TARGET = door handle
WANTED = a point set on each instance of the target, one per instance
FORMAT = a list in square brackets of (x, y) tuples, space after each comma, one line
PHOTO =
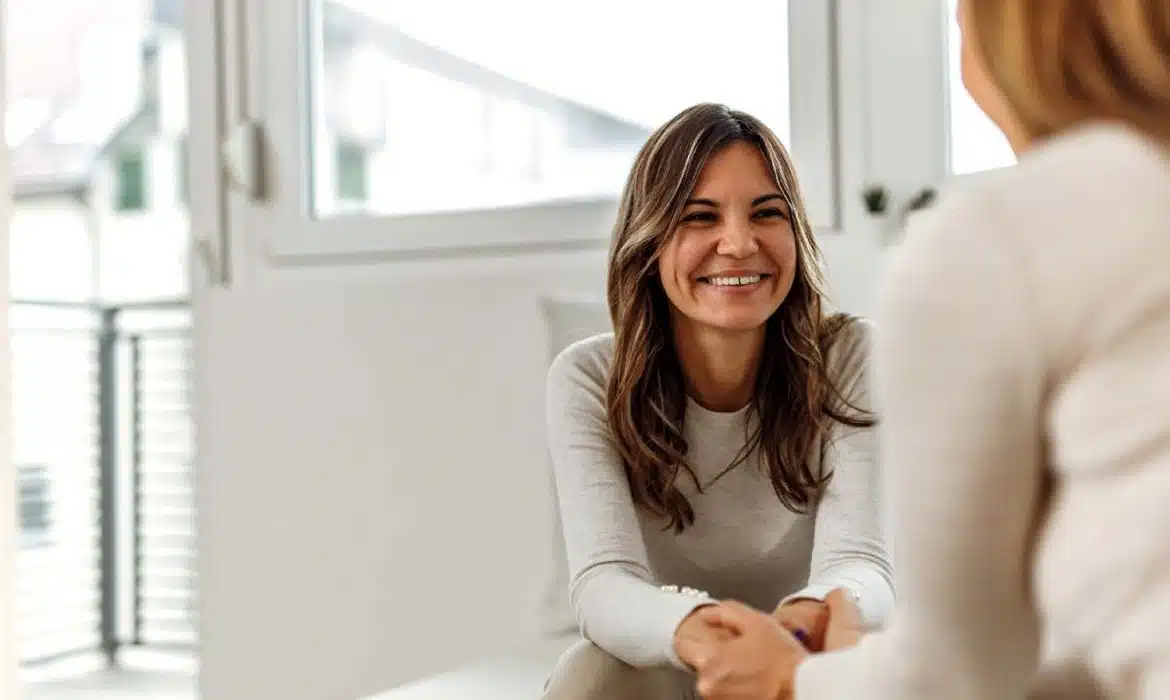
[(877, 200), (243, 159), (210, 261)]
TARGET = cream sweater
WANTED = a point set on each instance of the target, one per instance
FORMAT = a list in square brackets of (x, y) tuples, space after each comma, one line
[(1022, 366), (744, 544)]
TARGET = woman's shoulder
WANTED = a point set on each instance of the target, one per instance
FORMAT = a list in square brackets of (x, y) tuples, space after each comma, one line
[(1068, 188), (1083, 161), (582, 368), (1037, 229)]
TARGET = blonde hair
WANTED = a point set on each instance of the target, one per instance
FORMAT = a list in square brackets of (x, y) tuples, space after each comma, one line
[(795, 400), (1061, 63)]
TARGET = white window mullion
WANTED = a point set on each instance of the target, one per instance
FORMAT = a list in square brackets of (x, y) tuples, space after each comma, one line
[(212, 103), (813, 83)]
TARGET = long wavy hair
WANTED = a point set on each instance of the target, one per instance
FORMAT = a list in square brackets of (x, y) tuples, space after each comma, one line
[(795, 401)]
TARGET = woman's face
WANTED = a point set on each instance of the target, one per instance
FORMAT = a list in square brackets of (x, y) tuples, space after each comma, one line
[(731, 261)]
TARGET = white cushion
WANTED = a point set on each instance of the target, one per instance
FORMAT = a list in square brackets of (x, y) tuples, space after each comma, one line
[(567, 320)]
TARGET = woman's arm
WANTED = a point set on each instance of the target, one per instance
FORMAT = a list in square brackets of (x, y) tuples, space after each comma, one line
[(849, 546), (619, 605), (960, 372)]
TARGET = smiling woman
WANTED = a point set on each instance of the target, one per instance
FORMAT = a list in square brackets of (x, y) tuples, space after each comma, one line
[(714, 193), (718, 445)]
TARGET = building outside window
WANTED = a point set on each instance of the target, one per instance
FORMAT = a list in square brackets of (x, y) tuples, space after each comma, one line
[(35, 506), (352, 167), (130, 188)]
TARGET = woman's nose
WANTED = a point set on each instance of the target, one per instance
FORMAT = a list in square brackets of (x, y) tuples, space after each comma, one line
[(738, 241)]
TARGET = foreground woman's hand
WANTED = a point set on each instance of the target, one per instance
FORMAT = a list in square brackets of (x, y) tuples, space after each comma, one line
[(806, 619), (845, 627), (757, 662), (695, 638)]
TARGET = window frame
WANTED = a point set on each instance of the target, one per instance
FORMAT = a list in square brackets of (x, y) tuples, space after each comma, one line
[(259, 36)]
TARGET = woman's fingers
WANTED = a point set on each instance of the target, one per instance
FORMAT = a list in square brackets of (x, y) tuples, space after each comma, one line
[(845, 627), (730, 615), (806, 619)]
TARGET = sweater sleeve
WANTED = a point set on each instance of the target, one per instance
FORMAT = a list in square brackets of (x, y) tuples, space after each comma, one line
[(960, 379), (618, 604), (849, 543)]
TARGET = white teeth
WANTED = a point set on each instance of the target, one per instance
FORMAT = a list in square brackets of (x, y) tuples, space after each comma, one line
[(734, 281)]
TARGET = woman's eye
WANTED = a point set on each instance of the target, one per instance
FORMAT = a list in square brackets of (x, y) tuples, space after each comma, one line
[(699, 216), (771, 212)]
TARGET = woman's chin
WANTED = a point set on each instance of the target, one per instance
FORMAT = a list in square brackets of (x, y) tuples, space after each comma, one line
[(737, 321)]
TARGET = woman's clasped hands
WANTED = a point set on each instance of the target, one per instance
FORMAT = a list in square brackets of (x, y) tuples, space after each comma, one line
[(739, 653)]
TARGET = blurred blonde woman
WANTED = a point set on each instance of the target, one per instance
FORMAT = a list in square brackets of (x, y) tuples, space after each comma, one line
[(1024, 370), (718, 444)]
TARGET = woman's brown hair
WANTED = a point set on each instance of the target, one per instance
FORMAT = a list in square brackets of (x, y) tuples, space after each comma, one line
[(794, 399), (1060, 63)]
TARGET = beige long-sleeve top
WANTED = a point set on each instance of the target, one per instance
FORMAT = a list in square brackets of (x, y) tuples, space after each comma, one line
[(1022, 366), (744, 543)]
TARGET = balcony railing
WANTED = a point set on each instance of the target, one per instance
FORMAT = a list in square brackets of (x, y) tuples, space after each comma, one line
[(103, 444)]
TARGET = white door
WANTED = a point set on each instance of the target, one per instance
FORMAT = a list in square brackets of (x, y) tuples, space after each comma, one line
[(374, 505)]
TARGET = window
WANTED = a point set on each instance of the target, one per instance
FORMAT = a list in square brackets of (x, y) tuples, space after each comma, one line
[(566, 126), (130, 181), (975, 143), (351, 173), (35, 505), (519, 115)]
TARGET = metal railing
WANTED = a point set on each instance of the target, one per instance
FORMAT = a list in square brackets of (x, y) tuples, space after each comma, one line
[(103, 443)]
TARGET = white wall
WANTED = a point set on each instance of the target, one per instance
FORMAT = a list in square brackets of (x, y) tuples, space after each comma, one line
[(8, 687), (143, 256), (373, 499), (374, 505), (64, 250), (51, 249)]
